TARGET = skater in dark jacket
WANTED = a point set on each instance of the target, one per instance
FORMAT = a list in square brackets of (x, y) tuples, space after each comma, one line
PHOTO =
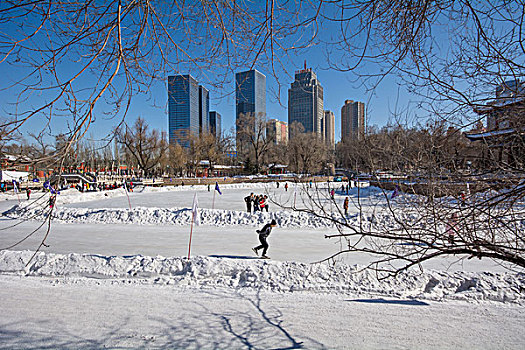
[(248, 200), (263, 235)]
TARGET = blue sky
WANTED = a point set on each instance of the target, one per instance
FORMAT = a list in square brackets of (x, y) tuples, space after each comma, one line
[(338, 87), (152, 106)]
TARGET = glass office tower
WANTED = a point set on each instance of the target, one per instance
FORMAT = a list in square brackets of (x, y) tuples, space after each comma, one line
[(305, 103), (188, 109), (204, 110), (250, 98), (215, 123)]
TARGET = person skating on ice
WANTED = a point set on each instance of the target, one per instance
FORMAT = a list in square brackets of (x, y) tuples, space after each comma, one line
[(262, 202), (248, 200), (266, 204), (263, 235), (256, 202)]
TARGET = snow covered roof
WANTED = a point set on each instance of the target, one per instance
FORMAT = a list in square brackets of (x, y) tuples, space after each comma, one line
[(278, 166), (13, 158), (488, 134), (500, 103), (226, 166)]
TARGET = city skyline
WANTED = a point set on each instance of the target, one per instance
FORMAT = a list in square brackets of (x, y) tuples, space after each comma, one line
[(149, 98), (155, 108), (246, 83)]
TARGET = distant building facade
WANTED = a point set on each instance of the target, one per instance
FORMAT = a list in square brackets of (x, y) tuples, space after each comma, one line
[(499, 116), (352, 120), (329, 129), (305, 102), (183, 108), (215, 123), (250, 99), (277, 132), (504, 137)]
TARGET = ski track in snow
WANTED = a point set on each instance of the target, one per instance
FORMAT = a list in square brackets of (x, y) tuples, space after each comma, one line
[(255, 274)]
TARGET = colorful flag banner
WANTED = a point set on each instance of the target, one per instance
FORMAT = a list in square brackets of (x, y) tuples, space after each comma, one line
[(395, 193), (217, 187)]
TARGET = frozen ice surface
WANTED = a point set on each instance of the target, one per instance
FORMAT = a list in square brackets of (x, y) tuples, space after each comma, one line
[(119, 277)]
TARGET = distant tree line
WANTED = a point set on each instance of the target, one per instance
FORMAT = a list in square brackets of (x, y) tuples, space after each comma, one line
[(435, 147)]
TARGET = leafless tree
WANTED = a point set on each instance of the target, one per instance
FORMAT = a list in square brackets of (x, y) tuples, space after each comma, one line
[(145, 147), (252, 143), (177, 159), (307, 153)]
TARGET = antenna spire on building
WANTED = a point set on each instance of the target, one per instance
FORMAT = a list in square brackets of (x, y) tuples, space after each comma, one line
[(305, 64)]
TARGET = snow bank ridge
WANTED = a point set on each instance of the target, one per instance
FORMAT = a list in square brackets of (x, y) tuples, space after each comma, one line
[(245, 272), (170, 216)]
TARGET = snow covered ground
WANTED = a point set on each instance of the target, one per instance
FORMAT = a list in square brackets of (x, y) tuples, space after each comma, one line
[(119, 277)]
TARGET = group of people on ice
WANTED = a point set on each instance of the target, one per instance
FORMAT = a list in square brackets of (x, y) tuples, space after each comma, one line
[(259, 202)]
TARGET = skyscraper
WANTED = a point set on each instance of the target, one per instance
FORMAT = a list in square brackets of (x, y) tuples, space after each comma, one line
[(188, 108), (329, 129), (204, 110), (305, 102), (352, 120), (250, 98), (183, 108), (215, 123)]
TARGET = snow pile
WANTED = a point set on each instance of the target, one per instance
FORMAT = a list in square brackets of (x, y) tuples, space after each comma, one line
[(74, 196), (220, 272), (168, 216)]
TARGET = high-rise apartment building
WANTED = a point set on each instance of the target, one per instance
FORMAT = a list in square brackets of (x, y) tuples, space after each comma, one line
[(305, 102), (277, 132), (352, 120), (329, 129), (250, 99), (215, 123), (183, 108), (284, 133)]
